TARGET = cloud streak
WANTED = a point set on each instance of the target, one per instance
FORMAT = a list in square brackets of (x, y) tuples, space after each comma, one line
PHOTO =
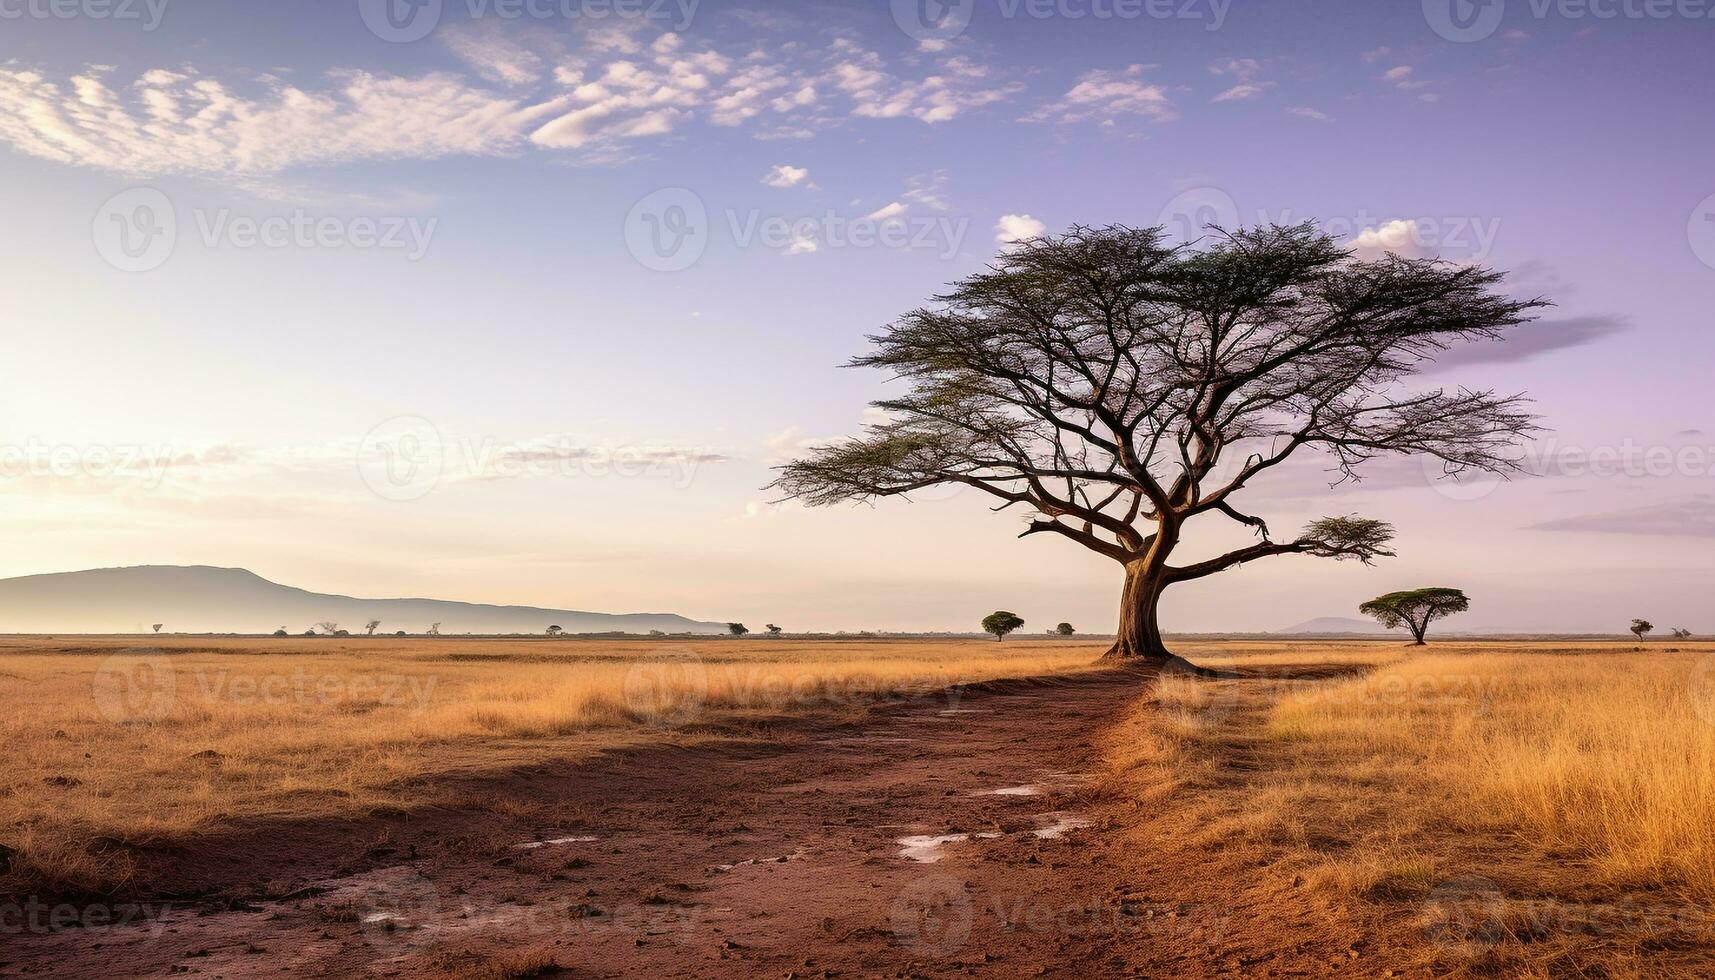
[(615, 91), (1690, 517)]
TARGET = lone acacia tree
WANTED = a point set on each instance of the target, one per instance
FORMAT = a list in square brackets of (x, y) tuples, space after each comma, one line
[(1123, 388), (1001, 622), (1415, 609)]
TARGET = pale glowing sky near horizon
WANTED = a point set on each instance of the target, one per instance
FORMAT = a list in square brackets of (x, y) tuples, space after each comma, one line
[(1575, 152)]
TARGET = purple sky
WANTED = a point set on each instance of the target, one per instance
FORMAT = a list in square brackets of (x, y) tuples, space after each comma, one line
[(593, 275)]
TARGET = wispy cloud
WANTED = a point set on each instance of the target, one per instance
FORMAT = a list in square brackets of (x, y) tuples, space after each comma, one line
[(616, 89), (1690, 517), (1535, 339), (1242, 91), (786, 175), (1105, 96)]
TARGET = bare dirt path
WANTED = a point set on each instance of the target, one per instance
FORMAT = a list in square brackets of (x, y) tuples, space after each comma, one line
[(955, 835)]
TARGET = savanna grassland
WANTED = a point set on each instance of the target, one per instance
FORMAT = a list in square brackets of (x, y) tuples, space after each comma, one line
[(127, 740), (1540, 808), (1482, 807)]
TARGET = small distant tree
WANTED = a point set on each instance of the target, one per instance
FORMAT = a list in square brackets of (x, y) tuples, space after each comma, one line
[(372, 626), (434, 629), (400, 633), (281, 632), (328, 627), (310, 632), (657, 633), (158, 627), (555, 631), (737, 629), (1681, 634), (773, 630), (1415, 609), (1000, 622), (342, 632), (1642, 626), (1065, 629)]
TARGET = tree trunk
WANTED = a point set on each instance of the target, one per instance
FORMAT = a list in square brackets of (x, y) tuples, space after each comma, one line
[(1139, 639)]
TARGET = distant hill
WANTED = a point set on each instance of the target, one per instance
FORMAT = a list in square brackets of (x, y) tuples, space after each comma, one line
[(1336, 624), (204, 599)]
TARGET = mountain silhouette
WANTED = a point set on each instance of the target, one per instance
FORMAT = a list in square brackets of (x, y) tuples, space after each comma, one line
[(1336, 624), (205, 599)]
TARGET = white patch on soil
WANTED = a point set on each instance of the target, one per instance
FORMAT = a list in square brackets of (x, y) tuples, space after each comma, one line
[(926, 848), (1063, 822), (555, 842)]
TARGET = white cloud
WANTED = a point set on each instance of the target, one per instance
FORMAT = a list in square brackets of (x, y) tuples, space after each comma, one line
[(1309, 113), (620, 86), (1401, 77), (1242, 69), (1104, 95), (1399, 237), (1376, 54), (492, 53), (928, 189), (786, 175), (1012, 228), (876, 93), (892, 210), (180, 122), (1243, 90)]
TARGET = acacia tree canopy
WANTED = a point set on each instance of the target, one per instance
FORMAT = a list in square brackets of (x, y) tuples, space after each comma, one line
[(1415, 608), (1000, 622), (1122, 388)]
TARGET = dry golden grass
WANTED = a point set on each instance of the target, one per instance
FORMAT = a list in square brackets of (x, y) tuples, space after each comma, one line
[(110, 739), (1606, 756), (1505, 808)]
